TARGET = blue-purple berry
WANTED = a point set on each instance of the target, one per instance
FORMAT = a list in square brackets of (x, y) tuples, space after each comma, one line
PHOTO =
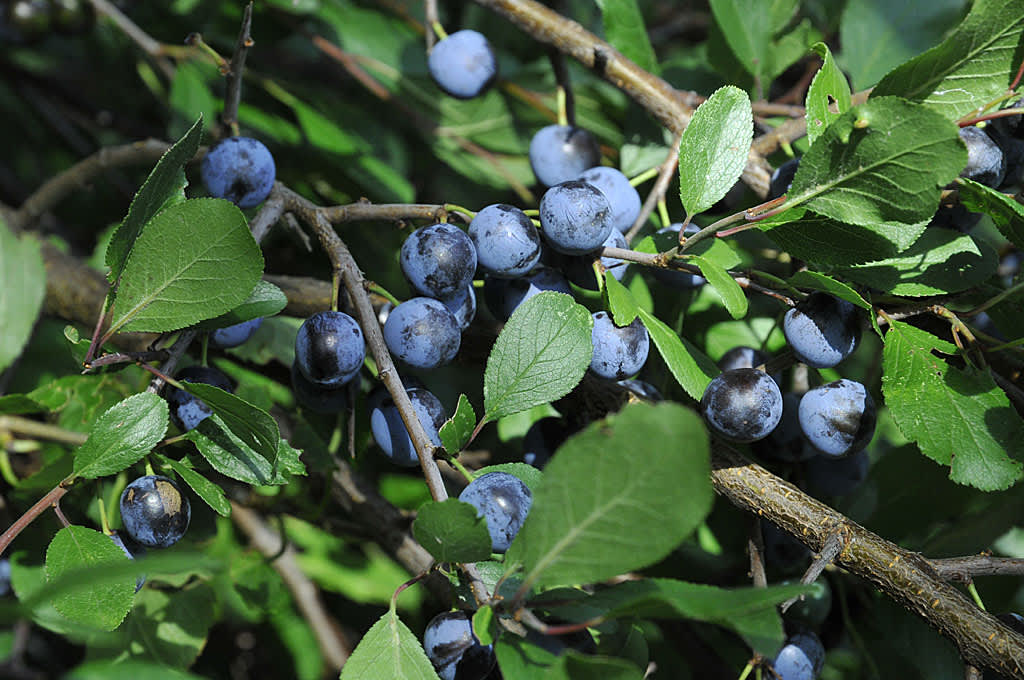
[(154, 511), (329, 348), (239, 169)]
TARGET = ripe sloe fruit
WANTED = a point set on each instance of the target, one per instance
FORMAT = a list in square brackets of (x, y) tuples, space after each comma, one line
[(329, 348), (462, 306), (240, 169), (187, 411), (438, 260), (619, 352), (742, 405), (985, 161), (463, 64), (801, 658), (782, 178), (422, 333), (822, 330), (838, 418), (787, 442), (574, 217), (622, 196), (233, 336), (503, 296), (503, 500), (507, 242), (559, 153), (454, 650), (154, 511), (580, 268), (389, 430)]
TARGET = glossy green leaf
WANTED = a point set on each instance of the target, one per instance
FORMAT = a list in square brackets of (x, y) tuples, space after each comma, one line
[(210, 493), (755, 32), (976, 63), (714, 148), (880, 164), (732, 295), (813, 280), (253, 426), (521, 659), (539, 356), (624, 29), (388, 650), (230, 456), (750, 612), (452, 532), (941, 261), (620, 301), (691, 368), (455, 433), (170, 626), (587, 522), (22, 289), (191, 95), (166, 181), (825, 241), (828, 96), (102, 604), (193, 261), (127, 670), (1006, 213), (958, 417), (121, 436), (878, 36), (266, 299)]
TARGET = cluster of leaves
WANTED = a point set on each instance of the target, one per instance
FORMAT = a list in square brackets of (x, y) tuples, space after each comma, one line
[(629, 493)]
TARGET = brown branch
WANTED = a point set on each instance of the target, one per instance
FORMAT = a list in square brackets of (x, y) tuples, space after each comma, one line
[(236, 68), (335, 642), (964, 569), (671, 107), (905, 576), (80, 174), (348, 271)]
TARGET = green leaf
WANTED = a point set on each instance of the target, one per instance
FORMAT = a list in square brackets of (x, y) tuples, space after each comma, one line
[(755, 32), (127, 670), (958, 417), (452, 532), (941, 261), (539, 356), (191, 95), (253, 426), (575, 666), (825, 241), (121, 436), (881, 164), (975, 64), (732, 295), (624, 29), (103, 604), (527, 474), (595, 516), (211, 493), (828, 96), (714, 148), (1006, 213), (455, 433), (20, 403), (520, 659), (166, 180), (818, 281), (231, 456), (878, 36), (691, 368), (750, 612), (22, 289), (620, 301), (170, 626), (388, 650), (266, 299), (193, 261)]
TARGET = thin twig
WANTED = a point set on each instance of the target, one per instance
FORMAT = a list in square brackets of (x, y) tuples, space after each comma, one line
[(965, 569), (236, 69), (665, 174), (335, 643)]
